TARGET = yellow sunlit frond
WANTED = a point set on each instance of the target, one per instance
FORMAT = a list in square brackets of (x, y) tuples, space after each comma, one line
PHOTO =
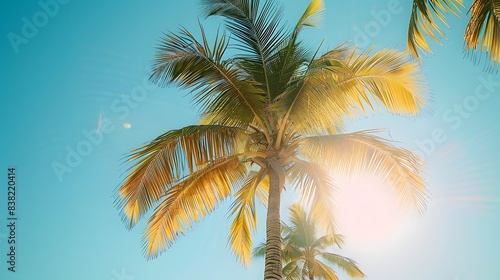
[(324, 271), (359, 153), (425, 19), (483, 30), (317, 192), (191, 200), (169, 158), (312, 15), (346, 264), (245, 217), (341, 85)]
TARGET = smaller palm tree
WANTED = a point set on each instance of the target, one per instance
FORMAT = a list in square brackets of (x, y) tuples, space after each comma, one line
[(301, 247)]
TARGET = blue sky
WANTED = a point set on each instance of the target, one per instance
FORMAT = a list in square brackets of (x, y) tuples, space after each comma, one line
[(86, 61)]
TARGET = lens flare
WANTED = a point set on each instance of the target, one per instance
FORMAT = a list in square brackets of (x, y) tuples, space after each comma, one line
[(367, 210)]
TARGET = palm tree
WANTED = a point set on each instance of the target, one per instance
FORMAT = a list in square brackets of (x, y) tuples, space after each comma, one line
[(301, 247), (270, 117), (481, 34)]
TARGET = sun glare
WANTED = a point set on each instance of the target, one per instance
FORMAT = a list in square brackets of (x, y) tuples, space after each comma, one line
[(367, 210)]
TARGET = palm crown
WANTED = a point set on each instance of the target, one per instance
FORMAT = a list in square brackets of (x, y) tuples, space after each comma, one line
[(270, 117), (302, 247)]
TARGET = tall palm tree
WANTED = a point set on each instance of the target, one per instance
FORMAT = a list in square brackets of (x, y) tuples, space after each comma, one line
[(481, 34), (301, 247), (270, 117)]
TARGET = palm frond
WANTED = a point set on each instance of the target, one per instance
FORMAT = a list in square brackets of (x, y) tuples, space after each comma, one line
[(303, 230), (287, 62), (312, 15), (327, 241), (343, 83), (224, 92), (292, 271), (317, 190), (483, 30), (359, 153), (346, 264), (285, 65), (190, 200), (323, 271), (291, 252), (167, 160), (257, 28), (425, 19), (245, 216), (259, 250)]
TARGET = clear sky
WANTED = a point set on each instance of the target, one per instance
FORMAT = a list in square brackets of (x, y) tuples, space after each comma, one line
[(77, 66)]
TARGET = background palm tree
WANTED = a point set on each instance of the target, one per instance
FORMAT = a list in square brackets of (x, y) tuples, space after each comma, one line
[(482, 32), (301, 247), (270, 117)]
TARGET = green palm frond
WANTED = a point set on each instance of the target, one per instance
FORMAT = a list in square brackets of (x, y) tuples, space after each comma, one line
[(245, 216), (226, 94), (291, 252), (327, 241), (259, 250), (257, 29), (292, 271), (343, 83), (303, 230), (362, 152), (286, 64), (423, 22), (168, 159), (190, 200), (483, 29)]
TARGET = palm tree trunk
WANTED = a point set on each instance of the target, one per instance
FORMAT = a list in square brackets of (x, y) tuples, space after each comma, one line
[(311, 276), (309, 269), (273, 235)]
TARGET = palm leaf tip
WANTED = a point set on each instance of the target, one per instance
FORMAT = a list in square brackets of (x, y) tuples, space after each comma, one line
[(245, 217), (313, 14), (131, 211), (424, 21), (346, 264), (483, 30)]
